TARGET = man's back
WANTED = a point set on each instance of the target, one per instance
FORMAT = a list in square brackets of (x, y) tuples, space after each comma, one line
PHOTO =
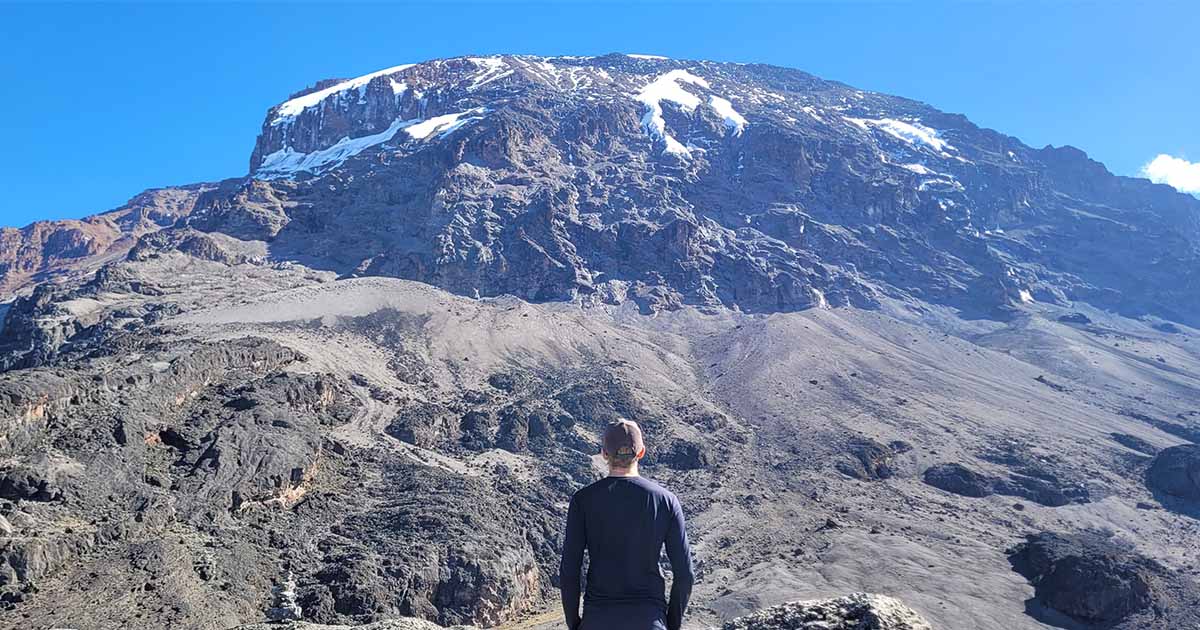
[(624, 522)]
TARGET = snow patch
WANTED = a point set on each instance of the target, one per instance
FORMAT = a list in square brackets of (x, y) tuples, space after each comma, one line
[(912, 133), (646, 56), (667, 88), (812, 111), (933, 178), (286, 162), (940, 183), (493, 68), (819, 298), (919, 169), (443, 125), (733, 120), (290, 109)]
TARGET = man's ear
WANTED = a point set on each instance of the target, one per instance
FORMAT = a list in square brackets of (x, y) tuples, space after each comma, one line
[(641, 453)]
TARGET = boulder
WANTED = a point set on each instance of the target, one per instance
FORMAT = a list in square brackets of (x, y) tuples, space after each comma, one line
[(1087, 577), (868, 460), (958, 479), (1176, 471), (28, 483), (1099, 580)]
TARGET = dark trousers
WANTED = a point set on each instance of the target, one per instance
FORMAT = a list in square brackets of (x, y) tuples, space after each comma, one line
[(624, 617)]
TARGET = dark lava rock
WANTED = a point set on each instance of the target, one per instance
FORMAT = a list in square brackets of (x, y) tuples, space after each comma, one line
[(1075, 318), (1135, 443), (1102, 581), (506, 381), (472, 559), (684, 455), (1039, 487), (1051, 384), (34, 481), (869, 460), (1182, 431), (1036, 490), (423, 424), (958, 479), (1176, 471)]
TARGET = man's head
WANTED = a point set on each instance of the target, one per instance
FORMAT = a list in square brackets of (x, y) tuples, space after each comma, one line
[(623, 445)]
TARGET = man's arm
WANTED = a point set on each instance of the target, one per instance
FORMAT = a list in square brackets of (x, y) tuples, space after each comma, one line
[(571, 564), (681, 568)]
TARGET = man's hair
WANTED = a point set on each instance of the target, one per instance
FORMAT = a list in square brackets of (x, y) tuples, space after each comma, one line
[(623, 441)]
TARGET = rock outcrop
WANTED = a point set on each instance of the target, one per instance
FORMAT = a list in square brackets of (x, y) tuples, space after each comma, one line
[(1044, 489), (859, 611)]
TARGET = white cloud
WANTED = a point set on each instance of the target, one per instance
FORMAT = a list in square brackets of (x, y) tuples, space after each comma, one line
[(1183, 175)]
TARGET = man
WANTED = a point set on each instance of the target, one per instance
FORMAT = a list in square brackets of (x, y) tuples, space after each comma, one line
[(623, 521)]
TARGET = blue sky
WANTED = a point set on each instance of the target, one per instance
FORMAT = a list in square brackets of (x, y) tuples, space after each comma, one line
[(103, 101)]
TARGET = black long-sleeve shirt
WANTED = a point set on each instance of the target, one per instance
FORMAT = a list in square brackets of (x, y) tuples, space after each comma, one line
[(623, 522)]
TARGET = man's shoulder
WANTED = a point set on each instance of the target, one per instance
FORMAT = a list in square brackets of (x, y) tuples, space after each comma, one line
[(656, 488), (648, 485)]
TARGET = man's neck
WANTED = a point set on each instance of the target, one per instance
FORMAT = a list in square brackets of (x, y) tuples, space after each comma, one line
[(623, 472)]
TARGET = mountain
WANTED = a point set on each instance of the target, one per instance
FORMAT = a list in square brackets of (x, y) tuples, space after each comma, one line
[(712, 184), (873, 348), (49, 250)]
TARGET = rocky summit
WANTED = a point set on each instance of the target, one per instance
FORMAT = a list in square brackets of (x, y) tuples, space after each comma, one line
[(873, 348)]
